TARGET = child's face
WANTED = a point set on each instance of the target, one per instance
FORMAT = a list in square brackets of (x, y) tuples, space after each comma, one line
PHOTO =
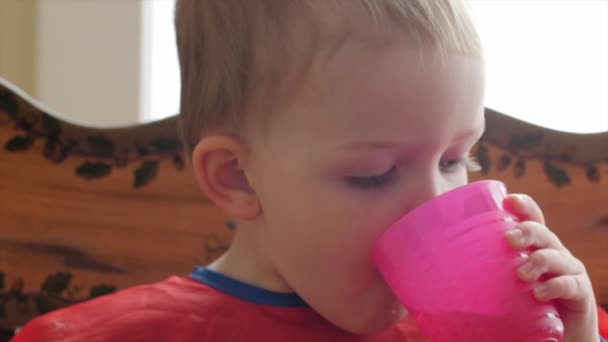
[(370, 136)]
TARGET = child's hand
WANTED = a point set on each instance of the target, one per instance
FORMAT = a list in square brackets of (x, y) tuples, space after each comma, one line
[(565, 279)]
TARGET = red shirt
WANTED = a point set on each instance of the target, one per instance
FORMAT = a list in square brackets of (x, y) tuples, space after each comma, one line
[(206, 307), (603, 321)]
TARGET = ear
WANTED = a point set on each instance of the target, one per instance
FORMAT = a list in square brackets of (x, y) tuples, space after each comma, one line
[(218, 163)]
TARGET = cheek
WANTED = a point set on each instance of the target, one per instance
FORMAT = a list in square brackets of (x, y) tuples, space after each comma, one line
[(304, 212), (350, 217), (308, 216), (320, 239)]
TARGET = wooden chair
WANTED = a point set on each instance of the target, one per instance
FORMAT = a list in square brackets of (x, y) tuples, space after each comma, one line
[(85, 211)]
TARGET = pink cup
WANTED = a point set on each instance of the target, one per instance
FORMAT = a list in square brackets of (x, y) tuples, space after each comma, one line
[(449, 264)]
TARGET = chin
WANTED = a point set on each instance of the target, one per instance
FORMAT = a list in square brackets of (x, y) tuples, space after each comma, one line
[(379, 322)]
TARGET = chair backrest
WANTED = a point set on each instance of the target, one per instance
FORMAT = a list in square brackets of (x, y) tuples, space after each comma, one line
[(85, 211)]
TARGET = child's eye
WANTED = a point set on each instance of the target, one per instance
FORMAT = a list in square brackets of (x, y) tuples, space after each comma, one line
[(373, 182), (450, 165)]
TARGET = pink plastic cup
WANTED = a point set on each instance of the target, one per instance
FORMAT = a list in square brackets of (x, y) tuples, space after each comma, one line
[(449, 264)]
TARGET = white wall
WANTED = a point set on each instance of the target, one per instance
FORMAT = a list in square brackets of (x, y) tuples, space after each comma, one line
[(547, 61), (160, 85), (88, 60)]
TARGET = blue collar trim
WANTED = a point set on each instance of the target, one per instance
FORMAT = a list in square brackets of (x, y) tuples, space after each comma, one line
[(244, 291)]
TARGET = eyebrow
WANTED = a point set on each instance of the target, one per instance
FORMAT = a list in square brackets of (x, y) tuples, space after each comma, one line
[(372, 145), (387, 145)]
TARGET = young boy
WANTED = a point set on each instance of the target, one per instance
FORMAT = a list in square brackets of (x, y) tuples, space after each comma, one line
[(316, 124)]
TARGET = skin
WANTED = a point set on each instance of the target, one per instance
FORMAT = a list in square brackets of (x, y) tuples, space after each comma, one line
[(369, 135)]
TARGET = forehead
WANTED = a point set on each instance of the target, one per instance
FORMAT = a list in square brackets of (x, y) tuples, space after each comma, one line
[(400, 93)]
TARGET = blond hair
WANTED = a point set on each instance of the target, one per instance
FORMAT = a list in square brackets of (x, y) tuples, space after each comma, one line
[(230, 49)]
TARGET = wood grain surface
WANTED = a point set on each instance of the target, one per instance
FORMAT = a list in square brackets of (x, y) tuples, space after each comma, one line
[(105, 231)]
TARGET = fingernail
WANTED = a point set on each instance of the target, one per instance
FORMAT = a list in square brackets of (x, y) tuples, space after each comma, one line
[(521, 198), (516, 236), (527, 271), (541, 292)]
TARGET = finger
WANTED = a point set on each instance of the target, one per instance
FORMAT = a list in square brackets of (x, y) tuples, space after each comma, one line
[(524, 207), (549, 262), (567, 287), (530, 234)]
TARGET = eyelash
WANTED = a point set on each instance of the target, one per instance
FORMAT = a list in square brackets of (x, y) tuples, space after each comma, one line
[(379, 181), (373, 182), (470, 164)]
